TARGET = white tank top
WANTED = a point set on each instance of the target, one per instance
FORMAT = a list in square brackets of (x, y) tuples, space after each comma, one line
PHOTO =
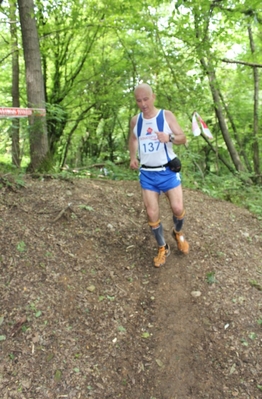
[(151, 151)]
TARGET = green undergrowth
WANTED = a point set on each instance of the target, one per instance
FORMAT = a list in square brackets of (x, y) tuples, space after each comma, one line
[(227, 187)]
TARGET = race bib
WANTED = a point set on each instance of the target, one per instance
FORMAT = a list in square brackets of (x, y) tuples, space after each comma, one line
[(149, 145)]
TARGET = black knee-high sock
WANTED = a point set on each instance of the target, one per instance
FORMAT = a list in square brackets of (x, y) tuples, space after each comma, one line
[(157, 230), (179, 221)]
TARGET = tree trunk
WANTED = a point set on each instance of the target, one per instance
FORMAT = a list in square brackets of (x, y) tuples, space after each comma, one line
[(219, 113), (70, 135), (15, 85), (203, 32), (35, 86), (242, 149), (256, 104)]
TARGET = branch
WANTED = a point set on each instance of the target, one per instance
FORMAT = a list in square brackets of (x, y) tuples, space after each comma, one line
[(251, 64), (64, 212), (18, 325), (8, 55), (222, 159)]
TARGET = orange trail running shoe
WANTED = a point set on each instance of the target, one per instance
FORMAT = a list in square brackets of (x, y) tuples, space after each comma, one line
[(163, 253), (182, 244)]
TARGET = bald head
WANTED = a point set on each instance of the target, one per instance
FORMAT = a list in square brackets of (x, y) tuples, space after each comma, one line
[(145, 99), (143, 87)]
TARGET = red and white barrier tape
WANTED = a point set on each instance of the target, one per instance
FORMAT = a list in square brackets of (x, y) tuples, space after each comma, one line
[(20, 112)]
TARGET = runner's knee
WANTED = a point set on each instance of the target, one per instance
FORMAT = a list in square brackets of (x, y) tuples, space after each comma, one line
[(181, 215)]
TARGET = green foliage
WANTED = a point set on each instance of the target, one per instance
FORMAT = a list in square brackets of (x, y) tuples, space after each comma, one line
[(94, 53), (86, 207), (21, 246), (107, 170), (227, 187), (255, 284), (210, 278), (11, 179)]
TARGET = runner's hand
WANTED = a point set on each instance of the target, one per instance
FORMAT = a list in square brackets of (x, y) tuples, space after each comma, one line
[(134, 164), (162, 137)]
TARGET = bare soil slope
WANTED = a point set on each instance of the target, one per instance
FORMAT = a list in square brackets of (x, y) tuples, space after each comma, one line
[(83, 312)]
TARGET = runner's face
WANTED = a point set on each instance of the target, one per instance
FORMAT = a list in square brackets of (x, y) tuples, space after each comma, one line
[(145, 100)]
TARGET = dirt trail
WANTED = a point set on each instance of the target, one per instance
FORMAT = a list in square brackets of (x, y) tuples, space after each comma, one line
[(85, 314), (206, 331)]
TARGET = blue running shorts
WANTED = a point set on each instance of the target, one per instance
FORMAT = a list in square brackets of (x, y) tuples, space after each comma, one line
[(160, 181)]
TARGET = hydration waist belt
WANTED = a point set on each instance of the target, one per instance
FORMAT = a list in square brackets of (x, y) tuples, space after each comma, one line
[(154, 167)]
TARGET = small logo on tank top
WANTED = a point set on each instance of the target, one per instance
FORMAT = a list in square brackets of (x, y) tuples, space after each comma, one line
[(149, 131)]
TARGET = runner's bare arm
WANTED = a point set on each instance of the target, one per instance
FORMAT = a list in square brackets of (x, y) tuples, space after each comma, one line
[(133, 145), (180, 137)]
